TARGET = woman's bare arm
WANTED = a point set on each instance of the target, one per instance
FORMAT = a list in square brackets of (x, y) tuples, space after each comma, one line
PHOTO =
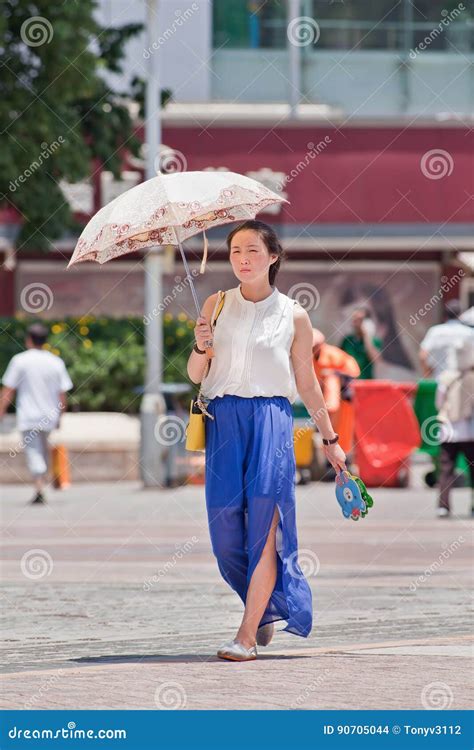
[(197, 363), (308, 385)]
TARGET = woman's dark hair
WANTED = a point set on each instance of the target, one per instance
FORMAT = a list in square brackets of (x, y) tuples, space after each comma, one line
[(270, 239)]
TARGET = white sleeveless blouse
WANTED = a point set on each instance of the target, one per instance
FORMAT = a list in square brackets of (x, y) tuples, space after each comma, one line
[(252, 342)]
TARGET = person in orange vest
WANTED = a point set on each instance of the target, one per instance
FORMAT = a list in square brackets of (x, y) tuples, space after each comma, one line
[(335, 369)]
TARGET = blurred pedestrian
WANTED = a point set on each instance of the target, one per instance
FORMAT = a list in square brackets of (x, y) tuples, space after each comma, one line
[(455, 403), (437, 350), (335, 370), (39, 380), (362, 343)]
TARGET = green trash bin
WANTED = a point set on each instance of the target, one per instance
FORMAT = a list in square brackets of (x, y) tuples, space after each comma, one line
[(426, 414)]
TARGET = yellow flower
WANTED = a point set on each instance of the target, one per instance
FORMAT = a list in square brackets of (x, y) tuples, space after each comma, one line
[(191, 324), (57, 328), (168, 317), (182, 317), (56, 351), (46, 346), (83, 330), (87, 344), (180, 332)]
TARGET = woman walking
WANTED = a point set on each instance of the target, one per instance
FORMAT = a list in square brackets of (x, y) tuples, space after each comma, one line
[(263, 359)]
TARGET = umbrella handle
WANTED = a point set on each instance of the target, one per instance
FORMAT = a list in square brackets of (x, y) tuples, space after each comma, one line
[(209, 349)]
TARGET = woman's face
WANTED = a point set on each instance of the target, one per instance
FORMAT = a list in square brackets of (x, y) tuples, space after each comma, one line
[(249, 256)]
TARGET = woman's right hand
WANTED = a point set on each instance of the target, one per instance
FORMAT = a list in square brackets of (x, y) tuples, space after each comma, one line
[(202, 333)]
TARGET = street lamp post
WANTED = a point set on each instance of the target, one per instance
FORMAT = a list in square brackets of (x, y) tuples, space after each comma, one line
[(153, 405), (294, 60)]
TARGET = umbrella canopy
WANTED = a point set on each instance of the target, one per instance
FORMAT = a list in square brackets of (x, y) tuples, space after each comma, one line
[(168, 209)]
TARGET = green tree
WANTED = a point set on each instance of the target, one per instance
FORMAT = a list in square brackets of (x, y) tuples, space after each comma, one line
[(58, 116)]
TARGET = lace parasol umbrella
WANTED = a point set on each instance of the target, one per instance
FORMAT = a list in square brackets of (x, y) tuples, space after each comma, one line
[(168, 209)]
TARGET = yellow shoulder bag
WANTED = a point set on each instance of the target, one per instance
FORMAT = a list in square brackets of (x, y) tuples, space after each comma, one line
[(195, 430)]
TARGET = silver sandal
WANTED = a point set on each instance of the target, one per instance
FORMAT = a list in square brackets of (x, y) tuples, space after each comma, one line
[(235, 651)]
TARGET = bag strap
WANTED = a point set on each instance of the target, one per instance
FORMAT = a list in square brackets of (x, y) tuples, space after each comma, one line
[(215, 314)]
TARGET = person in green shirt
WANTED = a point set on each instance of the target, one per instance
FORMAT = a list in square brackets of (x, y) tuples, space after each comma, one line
[(362, 344)]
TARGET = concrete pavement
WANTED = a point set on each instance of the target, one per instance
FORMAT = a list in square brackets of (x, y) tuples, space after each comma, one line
[(114, 601)]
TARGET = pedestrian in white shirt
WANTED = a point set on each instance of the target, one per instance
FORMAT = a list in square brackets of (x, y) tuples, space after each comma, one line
[(39, 380), (438, 348)]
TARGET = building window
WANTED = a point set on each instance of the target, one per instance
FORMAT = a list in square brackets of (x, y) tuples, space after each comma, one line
[(350, 25)]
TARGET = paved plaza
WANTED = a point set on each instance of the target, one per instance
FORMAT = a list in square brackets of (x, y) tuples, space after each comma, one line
[(114, 600)]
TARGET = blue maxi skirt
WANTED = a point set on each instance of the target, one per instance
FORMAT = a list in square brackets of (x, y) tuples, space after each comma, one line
[(250, 470)]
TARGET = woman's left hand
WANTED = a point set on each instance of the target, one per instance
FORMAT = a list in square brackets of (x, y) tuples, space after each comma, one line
[(336, 457)]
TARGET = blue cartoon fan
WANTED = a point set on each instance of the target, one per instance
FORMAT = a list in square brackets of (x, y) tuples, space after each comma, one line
[(352, 496)]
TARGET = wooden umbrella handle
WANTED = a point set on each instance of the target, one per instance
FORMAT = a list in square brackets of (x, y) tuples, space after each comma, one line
[(209, 349)]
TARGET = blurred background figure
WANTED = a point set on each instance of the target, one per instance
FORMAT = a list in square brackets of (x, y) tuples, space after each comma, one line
[(455, 402), (40, 381), (439, 346), (335, 369), (362, 344)]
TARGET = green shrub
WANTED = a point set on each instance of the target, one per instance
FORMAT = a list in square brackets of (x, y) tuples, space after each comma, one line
[(105, 357)]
